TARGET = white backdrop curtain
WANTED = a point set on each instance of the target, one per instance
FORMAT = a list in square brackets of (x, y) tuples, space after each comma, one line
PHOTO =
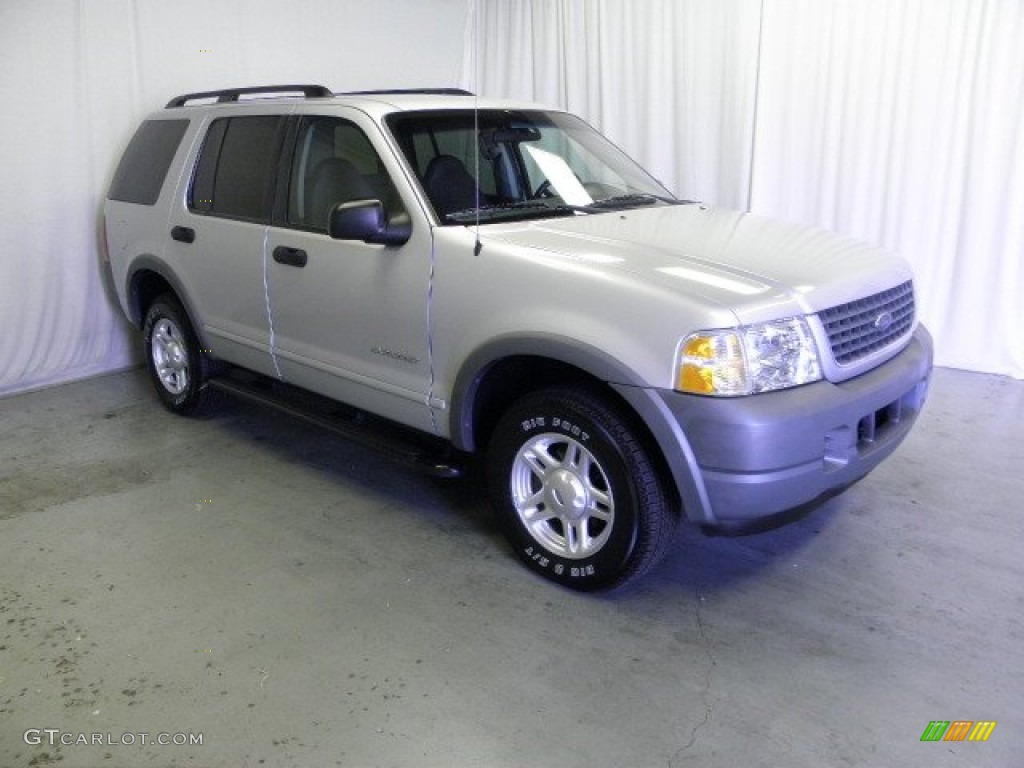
[(671, 81), (897, 121), (77, 76)]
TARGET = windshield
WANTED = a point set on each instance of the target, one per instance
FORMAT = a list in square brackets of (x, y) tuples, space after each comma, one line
[(514, 164)]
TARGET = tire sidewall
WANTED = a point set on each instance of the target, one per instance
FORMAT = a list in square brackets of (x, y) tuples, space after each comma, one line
[(184, 400), (543, 414)]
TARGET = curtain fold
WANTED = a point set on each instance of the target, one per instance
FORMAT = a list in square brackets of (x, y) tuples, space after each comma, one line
[(898, 122)]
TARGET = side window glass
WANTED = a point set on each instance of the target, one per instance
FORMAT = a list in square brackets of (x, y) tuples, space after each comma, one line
[(143, 168), (236, 167), (334, 162), (201, 196)]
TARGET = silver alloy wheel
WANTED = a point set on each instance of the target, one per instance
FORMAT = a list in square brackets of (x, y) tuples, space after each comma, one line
[(562, 495), (169, 355)]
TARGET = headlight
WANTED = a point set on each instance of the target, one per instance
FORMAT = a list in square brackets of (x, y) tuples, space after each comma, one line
[(744, 361)]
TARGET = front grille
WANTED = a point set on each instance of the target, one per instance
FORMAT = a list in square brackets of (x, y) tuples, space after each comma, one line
[(862, 327)]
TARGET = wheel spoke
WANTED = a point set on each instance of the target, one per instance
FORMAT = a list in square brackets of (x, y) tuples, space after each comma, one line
[(598, 513), (572, 454), (536, 464), (160, 337), (532, 502), (540, 526), (539, 517), (540, 460), (577, 540), (599, 500), (586, 461)]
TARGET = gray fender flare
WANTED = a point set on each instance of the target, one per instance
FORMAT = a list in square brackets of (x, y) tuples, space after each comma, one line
[(676, 451), (149, 263)]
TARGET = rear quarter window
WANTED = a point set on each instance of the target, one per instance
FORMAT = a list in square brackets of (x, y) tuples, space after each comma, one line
[(140, 174)]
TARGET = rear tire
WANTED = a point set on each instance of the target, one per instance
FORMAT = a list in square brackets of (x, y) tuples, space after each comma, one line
[(177, 366), (576, 492)]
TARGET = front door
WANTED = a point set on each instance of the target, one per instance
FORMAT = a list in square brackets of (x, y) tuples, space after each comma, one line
[(349, 319)]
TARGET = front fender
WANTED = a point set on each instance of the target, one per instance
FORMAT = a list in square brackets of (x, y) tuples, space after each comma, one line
[(586, 358), (669, 439)]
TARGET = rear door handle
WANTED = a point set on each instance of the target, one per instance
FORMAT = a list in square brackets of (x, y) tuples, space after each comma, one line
[(293, 257), (183, 234)]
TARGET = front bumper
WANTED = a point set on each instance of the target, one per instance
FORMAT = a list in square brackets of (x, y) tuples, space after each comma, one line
[(737, 460)]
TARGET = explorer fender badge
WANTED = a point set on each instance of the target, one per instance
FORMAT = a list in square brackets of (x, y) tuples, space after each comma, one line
[(384, 352)]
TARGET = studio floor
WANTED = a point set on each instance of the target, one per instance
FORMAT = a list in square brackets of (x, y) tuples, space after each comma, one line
[(291, 600)]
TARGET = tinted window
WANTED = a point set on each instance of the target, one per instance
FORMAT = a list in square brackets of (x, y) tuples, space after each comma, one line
[(201, 197), (334, 162), (143, 168), (235, 173)]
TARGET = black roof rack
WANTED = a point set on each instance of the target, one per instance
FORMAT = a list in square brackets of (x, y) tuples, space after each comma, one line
[(401, 91), (232, 94)]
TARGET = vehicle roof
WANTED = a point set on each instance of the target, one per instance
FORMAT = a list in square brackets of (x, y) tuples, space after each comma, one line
[(387, 103), (377, 103)]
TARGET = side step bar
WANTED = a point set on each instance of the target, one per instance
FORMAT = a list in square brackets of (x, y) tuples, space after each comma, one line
[(421, 452)]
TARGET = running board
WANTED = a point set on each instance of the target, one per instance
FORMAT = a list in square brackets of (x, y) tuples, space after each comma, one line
[(421, 452)]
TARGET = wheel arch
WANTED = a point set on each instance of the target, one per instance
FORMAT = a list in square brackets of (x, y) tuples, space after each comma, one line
[(506, 369), (150, 277)]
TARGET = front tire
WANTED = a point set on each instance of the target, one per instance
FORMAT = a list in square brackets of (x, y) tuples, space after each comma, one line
[(576, 492), (177, 366)]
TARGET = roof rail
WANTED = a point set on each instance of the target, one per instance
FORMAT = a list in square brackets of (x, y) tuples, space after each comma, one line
[(232, 94), (400, 91)]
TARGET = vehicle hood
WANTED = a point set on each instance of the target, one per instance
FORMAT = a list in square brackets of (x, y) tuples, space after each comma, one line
[(758, 267)]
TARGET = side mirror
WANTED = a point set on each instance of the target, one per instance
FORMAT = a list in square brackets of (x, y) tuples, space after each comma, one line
[(366, 220)]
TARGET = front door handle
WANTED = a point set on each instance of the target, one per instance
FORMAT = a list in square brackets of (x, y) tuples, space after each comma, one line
[(293, 257), (183, 234)]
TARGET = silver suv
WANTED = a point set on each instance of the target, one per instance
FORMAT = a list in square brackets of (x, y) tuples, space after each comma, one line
[(444, 276)]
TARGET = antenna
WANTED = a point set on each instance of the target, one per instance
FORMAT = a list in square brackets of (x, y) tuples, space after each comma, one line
[(477, 246)]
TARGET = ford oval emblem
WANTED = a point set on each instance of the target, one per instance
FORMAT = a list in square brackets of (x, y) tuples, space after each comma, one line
[(883, 321)]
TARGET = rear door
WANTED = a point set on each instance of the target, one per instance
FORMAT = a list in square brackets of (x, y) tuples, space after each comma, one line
[(350, 319), (217, 234)]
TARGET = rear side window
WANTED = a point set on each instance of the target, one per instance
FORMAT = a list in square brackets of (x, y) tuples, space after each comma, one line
[(235, 173), (143, 168)]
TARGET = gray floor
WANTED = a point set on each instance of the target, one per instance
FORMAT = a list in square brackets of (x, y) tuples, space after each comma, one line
[(298, 602)]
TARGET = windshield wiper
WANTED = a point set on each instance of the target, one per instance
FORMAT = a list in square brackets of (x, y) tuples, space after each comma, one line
[(523, 209), (539, 209), (631, 200)]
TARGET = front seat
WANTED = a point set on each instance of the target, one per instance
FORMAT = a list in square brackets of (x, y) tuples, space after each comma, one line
[(335, 180), (450, 186)]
